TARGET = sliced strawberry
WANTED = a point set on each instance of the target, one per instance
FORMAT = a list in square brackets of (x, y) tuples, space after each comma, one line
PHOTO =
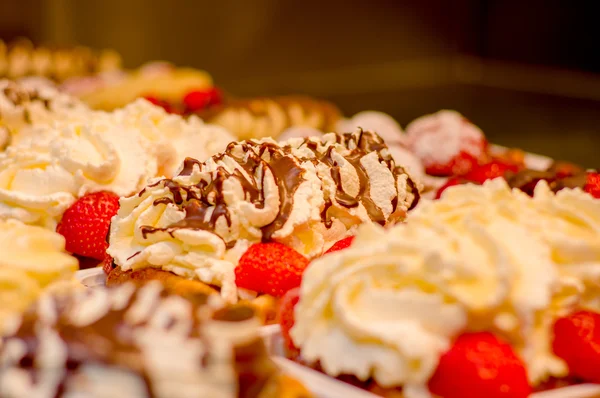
[(270, 268), (489, 171), (459, 165), (577, 342), (592, 185), (480, 365), (341, 244), (85, 224), (200, 99), (286, 319), (450, 183)]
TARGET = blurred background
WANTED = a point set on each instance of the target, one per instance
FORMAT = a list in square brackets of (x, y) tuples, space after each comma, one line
[(526, 72)]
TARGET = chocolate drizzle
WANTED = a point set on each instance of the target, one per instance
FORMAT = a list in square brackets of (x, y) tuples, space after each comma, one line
[(112, 340), (204, 202), (527, 179)]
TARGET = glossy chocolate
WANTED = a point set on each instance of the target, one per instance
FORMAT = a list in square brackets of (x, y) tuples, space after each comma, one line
[(204, 203)]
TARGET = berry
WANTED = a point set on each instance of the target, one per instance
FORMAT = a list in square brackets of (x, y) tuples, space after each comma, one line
[(270, 268), (577, 342), (565, 169), (201, 99), (480, 365), (489, 171), (592, 185), (159, 102), (85, 224), (459, 165), (341, 244), (286, 319), (450, 183), (107, 264)]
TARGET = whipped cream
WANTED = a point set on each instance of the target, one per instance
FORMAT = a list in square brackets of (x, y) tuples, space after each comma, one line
[(173, 138), (437, 138), (32, 259), (33, 102), (480, 258), (133, 342), (305, 193), (60, 150)]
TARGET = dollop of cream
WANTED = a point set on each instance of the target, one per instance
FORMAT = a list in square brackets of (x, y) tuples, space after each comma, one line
[(198, 224), (437, 138), (60, 150), (33, 259), (480, 258)]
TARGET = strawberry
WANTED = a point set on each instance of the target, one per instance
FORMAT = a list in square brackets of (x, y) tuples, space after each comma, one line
[(480, 365), (270, 268), (286, 319), (592, 185), (577, 342), (450, 183), (489, 171), (199, 99), (459, 165), (85, 224), (159, 102), (341, 244), (107, 264)]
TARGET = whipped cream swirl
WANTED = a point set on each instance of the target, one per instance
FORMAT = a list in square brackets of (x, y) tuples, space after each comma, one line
[(481, 258), (305, 193), (33, 259), (60, 150)]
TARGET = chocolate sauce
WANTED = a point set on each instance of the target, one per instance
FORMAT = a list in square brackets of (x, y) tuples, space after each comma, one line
[(527, 179), (288, 175), (204, 202), (111, 341)]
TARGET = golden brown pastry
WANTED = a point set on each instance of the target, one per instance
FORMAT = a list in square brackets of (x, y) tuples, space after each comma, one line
[(21, 58), (269, 116), (139, 342)]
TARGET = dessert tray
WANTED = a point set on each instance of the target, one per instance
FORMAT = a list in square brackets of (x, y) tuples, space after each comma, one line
[(324, 386), (208, 215)]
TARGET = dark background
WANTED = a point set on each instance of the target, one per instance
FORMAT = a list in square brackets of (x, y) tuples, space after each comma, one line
[(527, 72)]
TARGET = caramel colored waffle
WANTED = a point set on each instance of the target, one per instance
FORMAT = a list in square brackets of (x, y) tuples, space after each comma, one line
[(264, 305), (22, 59), (270, 116)]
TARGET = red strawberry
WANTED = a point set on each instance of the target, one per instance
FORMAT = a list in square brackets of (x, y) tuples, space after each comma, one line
[(286, 319), (107, 264), (459, 165), (341, 245), (450, 183), (480, 365), (200, 99), (489, 171), (565, 169), (592, 185), (85, 224), (577, 342), (158, 102), (270, 268)]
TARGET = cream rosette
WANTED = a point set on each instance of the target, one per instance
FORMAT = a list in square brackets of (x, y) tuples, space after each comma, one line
[(198, 224), (33, 259), (481, 258)]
